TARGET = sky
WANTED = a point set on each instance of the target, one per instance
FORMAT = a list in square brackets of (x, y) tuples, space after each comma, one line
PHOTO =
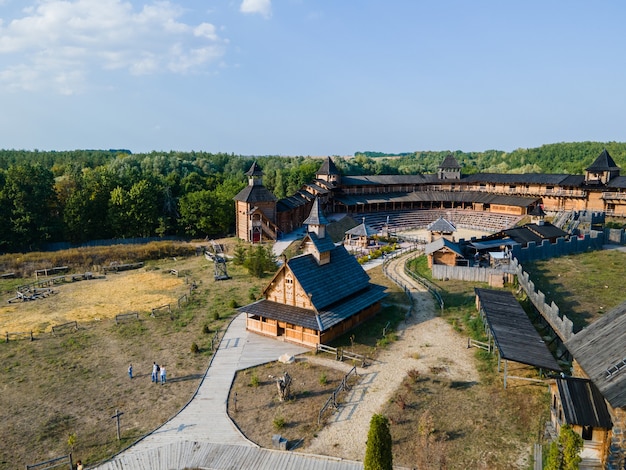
[(310, 77)]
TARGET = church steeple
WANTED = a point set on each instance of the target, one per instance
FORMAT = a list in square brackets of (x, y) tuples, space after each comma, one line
[(316, 221), (255, 175)]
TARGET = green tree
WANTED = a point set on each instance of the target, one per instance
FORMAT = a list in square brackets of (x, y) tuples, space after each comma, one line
[(31, 206), (260, 260), (564, 454), (197, 213), (378, 454)]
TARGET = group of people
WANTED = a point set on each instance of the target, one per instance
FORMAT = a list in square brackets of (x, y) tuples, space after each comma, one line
[(158, 371)]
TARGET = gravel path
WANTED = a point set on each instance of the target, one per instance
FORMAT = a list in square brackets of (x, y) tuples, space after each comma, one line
[(425, 341)]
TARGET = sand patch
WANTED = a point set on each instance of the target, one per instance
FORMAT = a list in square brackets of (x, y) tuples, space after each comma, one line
[(98, 299)]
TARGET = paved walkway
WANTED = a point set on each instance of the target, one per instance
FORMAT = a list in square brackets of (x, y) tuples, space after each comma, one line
[(203, 436)]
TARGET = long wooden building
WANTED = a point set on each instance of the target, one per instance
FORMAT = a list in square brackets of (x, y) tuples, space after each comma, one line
[(261, 215)]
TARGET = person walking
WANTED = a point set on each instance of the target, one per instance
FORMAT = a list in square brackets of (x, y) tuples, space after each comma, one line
[(163, 375), (130, 371), (155, 369)]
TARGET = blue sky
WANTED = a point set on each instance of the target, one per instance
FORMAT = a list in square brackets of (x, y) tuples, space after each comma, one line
[(310, 77)]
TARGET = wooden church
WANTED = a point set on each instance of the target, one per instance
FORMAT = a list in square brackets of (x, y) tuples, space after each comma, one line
[(316, 296)]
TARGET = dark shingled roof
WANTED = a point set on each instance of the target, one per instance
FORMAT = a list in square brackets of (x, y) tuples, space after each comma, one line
[(362, 230), (449, 162), (439, 244), (517, 178), (316, 217), (254, 193), (351, 305), (321, 244), (600, 349), (300, 198), (618, 182), (331, 282), (604, 162), (546, 230), (530, 233), (278, 311), (438, 196), (441, 225), (323, 321), (513, 333), (328, 168), (386, 179), (537, 212), (255, 170), (583, 403)]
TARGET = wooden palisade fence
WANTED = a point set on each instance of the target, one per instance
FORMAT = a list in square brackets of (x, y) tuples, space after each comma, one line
[(332, 400)]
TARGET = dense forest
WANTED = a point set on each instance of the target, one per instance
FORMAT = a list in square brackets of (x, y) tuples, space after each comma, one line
[(81, 195)]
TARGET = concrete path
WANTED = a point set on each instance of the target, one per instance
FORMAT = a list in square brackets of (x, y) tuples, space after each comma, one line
[(202, 432)]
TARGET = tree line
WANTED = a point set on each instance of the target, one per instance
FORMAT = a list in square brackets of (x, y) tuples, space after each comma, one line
[(82, 195)]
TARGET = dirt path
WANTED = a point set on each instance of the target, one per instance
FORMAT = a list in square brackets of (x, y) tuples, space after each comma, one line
[(425, 341)]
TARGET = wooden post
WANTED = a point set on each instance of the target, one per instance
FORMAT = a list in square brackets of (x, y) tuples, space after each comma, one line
[(235, 401), (117, 418), (505, 371)]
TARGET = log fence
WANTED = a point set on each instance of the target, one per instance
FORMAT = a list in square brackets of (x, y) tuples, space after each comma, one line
[(341, 354), (123, 317), (157, 311), (19, 335), (332, 399), (48, 271), (114, 268), (479, 344), (73, 325)]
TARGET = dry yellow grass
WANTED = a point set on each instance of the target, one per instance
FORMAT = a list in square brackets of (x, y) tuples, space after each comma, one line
[(93, 300)]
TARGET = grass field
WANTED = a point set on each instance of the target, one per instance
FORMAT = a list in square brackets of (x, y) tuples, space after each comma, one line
[(58, 393), (584, 286)]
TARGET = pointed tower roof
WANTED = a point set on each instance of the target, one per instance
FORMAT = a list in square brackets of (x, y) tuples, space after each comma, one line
[(450, 162), (316, 217), (255, 170), (328, 168), (537, 211), (441, 225), (255, 191), (604, 162)]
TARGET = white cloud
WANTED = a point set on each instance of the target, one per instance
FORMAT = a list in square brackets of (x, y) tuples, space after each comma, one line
[(262, 7), (60, 44)]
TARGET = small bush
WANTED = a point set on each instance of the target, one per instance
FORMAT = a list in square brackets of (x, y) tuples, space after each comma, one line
[(216, 316), (206, 330), (323, 378), (233, 303), (414, 375), (254, 380), (279, 423), (194, 348)]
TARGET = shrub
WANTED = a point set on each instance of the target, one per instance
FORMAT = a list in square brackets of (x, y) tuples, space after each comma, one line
[(194, 348), (279, 423), (233, 303), (378, 451), (206, 330), (254, 380), (216, 316), (414, 375), (323, 378)]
